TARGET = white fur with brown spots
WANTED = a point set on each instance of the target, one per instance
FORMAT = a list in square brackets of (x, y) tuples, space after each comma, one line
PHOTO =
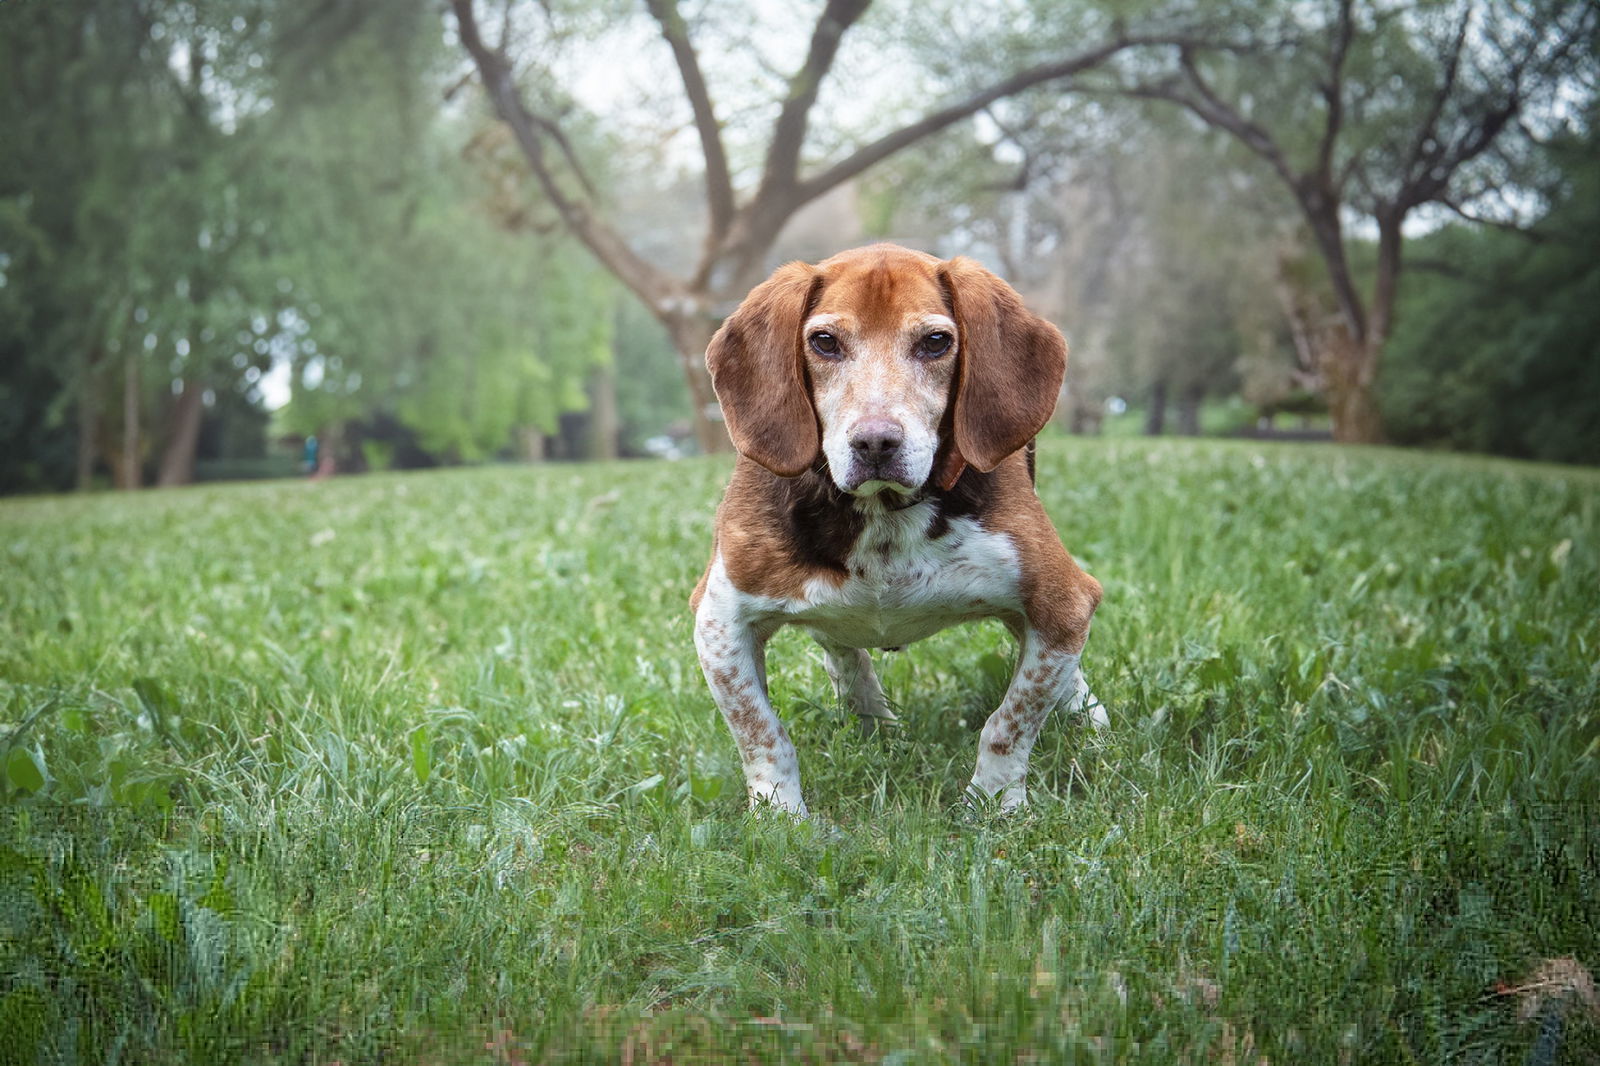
[(883, 403)]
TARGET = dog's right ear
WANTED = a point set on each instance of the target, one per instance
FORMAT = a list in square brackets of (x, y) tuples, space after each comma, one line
[(758, 369), (1009, 369)]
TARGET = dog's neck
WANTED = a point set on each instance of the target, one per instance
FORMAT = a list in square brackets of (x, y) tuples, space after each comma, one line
[(824, 522)]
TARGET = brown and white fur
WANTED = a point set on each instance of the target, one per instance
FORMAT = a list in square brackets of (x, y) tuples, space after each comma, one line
[(884, 405)]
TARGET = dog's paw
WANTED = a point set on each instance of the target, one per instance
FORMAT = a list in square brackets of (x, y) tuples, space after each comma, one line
[(1009, 800), (775, 805), (876, 725)]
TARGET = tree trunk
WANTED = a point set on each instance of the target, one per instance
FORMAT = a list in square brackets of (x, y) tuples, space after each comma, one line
[(1155, 419), (530, 444), (1189, 409), (690, 334), (1345, 366), (1348, 369), (603, 420), (329, 442), (88, 421), (177, 458), (128, 472)]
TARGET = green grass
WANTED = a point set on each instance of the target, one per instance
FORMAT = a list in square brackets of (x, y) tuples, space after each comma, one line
[(421, 768)]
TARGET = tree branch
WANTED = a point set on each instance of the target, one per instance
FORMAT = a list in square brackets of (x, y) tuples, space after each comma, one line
[(647, 281), (1333, 93), (789, 132), (1318, 199), (1529, 234), (1437, 164), (719, 183), (1219, 113), (870, 154), (1425, 148)]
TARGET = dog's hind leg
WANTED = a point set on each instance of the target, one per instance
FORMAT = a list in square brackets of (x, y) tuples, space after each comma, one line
[(856, 684)]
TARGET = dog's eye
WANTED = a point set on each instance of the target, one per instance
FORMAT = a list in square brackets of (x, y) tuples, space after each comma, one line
[(825, 344), (936, 344)]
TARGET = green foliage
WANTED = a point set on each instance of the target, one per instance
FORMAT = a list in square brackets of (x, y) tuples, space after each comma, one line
[(1500, 352), (421, 767), (200, 193), (412, 297), (651, 393), (133, 214)]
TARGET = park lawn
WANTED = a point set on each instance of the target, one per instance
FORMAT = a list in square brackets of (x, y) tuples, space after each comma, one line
[(421, 768)]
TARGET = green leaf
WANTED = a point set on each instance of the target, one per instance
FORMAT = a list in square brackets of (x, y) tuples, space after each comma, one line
[(25, 770), (706, 789), (996, 669), (421, 753), (154, 698), (646, 785)]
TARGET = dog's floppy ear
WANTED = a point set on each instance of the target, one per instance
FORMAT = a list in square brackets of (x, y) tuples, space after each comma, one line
[(1010, 367), (758, 371)]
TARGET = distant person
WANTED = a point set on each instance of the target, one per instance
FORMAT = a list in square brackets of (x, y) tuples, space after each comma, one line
[(309, 459)]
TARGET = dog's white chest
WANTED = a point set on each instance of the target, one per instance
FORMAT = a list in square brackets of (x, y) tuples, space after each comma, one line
[(904, 585)]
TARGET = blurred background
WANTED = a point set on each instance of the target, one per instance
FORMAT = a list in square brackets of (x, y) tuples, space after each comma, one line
[(244, 238)]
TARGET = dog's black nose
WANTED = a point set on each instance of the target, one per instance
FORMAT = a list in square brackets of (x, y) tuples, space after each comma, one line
[(875, 440)]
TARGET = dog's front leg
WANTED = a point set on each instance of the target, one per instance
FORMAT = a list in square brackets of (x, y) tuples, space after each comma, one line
[(1046, 675), (733, 656)]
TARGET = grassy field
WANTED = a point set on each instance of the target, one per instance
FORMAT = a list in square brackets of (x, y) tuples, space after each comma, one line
[(421, 768)]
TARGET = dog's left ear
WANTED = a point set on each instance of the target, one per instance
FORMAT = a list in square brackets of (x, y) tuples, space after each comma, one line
[(759, 373), (1009, 370)]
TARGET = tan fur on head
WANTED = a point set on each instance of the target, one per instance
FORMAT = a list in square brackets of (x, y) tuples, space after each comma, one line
[(1008, 363)]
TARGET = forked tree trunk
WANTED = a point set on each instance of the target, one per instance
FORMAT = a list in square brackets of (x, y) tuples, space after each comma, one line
[(177, 458), (738, 237), (690, 335), (1348, 369), (1155, 419), (88, 421), (128, 473)]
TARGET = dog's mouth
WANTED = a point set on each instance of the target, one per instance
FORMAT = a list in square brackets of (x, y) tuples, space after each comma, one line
[(879, 458), (889, 480), (888, 493)]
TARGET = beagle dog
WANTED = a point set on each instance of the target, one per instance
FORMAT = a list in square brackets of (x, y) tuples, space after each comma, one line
[(884, 405)]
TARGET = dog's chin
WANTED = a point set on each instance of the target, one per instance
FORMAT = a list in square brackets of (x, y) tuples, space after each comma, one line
[(891, 481), (884, 491), (886, 485)]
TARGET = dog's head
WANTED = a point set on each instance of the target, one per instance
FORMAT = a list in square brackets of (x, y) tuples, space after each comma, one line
[(895, 366)]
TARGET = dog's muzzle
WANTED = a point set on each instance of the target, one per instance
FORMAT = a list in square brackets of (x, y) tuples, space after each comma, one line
[(877, 455)]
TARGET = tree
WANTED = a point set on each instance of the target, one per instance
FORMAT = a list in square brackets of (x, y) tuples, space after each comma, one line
[(1143, 241), (746, 207), (66, 250), (416, 290), (133, 220), (1377, 110), (1498, 346), (192, 194)]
